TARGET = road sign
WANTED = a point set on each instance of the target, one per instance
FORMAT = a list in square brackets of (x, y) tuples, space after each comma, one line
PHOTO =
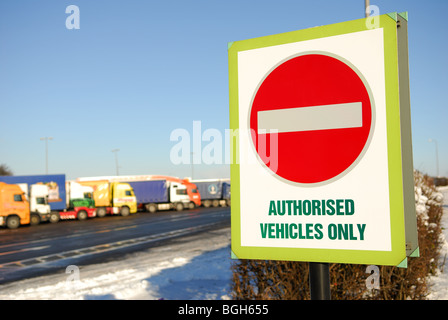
[(321, 163), (318, 102)]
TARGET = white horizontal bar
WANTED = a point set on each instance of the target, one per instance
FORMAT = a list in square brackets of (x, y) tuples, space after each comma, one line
[(333, 116)]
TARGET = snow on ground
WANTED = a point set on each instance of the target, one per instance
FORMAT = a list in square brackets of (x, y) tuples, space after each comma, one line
[(439, 282), (197, 268)]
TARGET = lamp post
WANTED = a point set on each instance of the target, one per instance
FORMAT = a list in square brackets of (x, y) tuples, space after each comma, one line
[(46, 152), (192, 166), (437, 155), (116, 158)]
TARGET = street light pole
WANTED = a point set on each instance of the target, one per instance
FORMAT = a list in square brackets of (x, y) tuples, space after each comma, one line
[(46, 152), (116, 158), (437, 155)]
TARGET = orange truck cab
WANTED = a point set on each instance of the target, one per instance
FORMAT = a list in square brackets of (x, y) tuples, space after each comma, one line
[(193, 193), (14, 208)]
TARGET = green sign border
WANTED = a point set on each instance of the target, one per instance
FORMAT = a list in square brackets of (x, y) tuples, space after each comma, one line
[(397, 256)]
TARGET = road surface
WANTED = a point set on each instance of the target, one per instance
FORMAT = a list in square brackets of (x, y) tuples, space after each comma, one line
[(33, 251)]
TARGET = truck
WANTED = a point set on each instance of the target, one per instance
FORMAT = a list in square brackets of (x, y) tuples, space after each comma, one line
[(14, 208), (157, 195), (80, 201), (191, 190), (79, 195), (61, 208), (214, 192), (37, 197), (111, 197)]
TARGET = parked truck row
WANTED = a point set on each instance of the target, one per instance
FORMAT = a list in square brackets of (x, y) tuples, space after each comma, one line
[(156, 193), (48, 199), (39, 198), (191, 193), (51, 199)]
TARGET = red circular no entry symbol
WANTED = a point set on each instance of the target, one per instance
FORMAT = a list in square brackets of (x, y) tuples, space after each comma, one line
[(321, 114)]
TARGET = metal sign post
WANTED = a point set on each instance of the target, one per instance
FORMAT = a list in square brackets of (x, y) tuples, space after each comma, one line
[(319, 281)]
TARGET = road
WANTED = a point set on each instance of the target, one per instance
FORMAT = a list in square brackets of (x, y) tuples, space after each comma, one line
[(33, 251)]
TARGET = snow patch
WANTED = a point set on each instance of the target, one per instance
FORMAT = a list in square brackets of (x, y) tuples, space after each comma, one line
[(439, 282)]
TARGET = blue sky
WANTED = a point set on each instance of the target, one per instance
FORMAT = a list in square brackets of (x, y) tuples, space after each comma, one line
[(137, 70)]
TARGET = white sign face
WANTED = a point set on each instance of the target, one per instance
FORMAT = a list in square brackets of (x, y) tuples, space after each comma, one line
[(314, 146), (368, 226)]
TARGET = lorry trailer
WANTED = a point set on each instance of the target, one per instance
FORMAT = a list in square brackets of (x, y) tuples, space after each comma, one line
[(192, 190), (214, 192), (157, 195)]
